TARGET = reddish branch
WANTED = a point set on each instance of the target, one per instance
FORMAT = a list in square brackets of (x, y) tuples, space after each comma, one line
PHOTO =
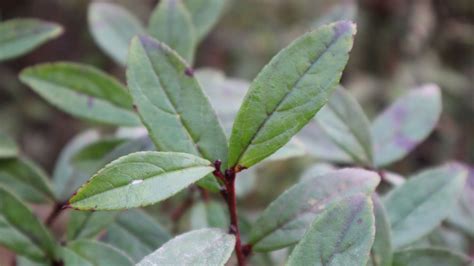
[(57, 209)]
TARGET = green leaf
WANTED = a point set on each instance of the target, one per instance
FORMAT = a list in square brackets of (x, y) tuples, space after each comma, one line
[(198, 247), (140, 179), (23, 261), (26, 179), (172, 105), (82, 91), (463, 214), (171, 23), (8, 147), (90, 253), (420, 204), (342, 235), (287, 218), (204, 14), (288, 92), (406, 123), (22, 35), (112, 27), (346, 124), (208, 214), (430, 257), (381, 253), (21, 231), (136, 233), (88, 224), (92, 155)]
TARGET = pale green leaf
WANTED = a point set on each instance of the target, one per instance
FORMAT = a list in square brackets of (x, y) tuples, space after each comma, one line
[(136, 233), (208, 214), (287, 218), (347, 125), (171, 23), (421, 203), (430, 257), (92, 253), (172, 105), (288, 92), (22, 35), (82, 91), (381, 253), (204, 14), (342, 235), (198, 247), (406, 123), (112, 27), (463, 213), (26, 180), (21, 231), (83, 224), (140, 179), (8, 147)]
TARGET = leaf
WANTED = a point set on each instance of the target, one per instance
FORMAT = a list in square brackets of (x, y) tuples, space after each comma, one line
[(8, 147), (89, 253), (208, 214), (342, 235), (317, 170), (462, 214), (26, 179), (204, 14), (346, 124), (287, 218), (420, 204), (136, 233), (140, 179), (112, 27), (171, 23), (288, 92), (198, 247), (172, 106), (21, 231), (430, 257), (82, 91), (88, 224), (92, 155), (22, 35), (406, 123), (381, 253)]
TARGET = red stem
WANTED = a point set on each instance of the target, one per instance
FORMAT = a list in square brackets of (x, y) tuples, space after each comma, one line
[(57, 209)]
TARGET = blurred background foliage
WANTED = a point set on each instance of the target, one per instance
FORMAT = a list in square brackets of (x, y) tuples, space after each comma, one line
[(400, 44)]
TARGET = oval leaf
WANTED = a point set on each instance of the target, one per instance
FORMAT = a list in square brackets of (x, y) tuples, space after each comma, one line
[(88, 224), (342, 235), (88, 252), (199, 247), (171, 23), (381, 253), (406, 123), (8, 147), (21, 231), (112, 27), (288, 92), (287, 218), (136, 233), (347, 125), (140, 179), (430, 257), (20, 36), (204, 14), (82, 91), (172, 105), (419, 205)]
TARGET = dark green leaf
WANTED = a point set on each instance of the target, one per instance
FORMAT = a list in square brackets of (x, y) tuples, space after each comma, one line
[(420, 204), (88, 224), (342, 235), (430, 257), (406, 123), (287, 218), (21, 231), (91, 253), (8, 147), (136, 233), (20, 36), (172, 105), (26, 179), (346, 124), (208, 214), (198, 247), (288, 92), (171, 23), (112, 27), (82, 91), (204, 14), (381, 253), (140, 179)]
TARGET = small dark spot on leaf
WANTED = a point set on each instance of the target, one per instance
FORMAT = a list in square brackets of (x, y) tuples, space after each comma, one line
[(189, 71)]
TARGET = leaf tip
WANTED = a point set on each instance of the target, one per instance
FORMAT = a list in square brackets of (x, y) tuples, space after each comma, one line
[(345, 26)]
